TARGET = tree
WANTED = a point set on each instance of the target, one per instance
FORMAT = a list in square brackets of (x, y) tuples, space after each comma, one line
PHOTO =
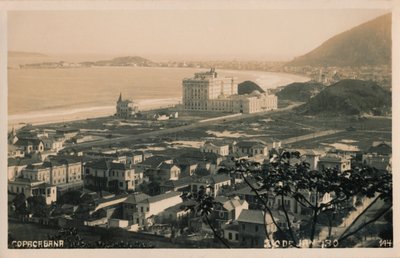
[(72, 197), (281, 177), (20, 204), (37, 206), (204, 206)]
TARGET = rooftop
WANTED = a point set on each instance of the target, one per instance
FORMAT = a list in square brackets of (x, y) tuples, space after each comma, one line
[(155, 161), (162, 197), (181, 206), (185, 181), (165, 165), (252, 216), (331, 157), (136, 198), (26, 142), (213, 179), (251, 144), (229, 203), (103, 164), (382, 148)]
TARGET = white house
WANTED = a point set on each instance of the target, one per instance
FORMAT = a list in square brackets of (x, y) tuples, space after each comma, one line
[(148, 208), (215, 147)]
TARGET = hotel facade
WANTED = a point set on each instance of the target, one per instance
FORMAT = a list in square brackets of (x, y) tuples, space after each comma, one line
[(206, 91)]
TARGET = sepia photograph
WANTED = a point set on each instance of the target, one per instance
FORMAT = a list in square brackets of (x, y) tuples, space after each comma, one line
[(193, 126)]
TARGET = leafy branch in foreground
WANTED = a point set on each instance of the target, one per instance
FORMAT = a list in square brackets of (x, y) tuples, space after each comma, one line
[(285, 175), (204, 207)]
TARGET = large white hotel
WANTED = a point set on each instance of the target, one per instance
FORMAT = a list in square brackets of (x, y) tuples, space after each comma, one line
[(208, 92)]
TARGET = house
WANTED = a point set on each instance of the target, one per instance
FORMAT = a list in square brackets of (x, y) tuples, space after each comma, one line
[(379, 156), (334, 161), (66, 174), (251, 147), (129, 206), (104, 174), (12, 137), (231, 232), (176, 212), (53, 143), (33, 187), (30, 145), (169, 171), (188, 166), (134, 157), (66, 133), (215, 147), (153, 162), (15, 151), (253, 228), (205, 160), (311, 157), (181, 185), (110, 155), (249, 196), (100, 209), (16, 165), (40, 172), (154, 205), (125, 108), (71, 167), (213, 183), (228, 209)]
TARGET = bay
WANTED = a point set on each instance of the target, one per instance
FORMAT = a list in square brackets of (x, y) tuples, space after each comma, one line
[(50, 95)]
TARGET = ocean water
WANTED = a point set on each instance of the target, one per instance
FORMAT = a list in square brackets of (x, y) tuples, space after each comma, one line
[(49, 94)]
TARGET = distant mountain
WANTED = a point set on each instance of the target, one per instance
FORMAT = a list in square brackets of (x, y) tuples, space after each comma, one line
[(248, 87), (126, 61), (349, 97), (300, 91), (25, 54), (367, 44)]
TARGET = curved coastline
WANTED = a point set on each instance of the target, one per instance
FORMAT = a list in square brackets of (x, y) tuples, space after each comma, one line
[(266, 80)]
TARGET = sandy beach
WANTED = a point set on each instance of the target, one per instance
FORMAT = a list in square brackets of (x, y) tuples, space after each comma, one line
[(51, 101), (66, 115)]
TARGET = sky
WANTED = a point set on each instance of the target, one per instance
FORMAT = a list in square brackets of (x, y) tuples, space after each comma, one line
[(269, 35)]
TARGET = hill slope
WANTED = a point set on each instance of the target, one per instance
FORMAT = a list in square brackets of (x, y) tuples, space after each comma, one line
[(349, 97), (248, 87), (12, 54), (367, 44), (300, 91), (126, 61)]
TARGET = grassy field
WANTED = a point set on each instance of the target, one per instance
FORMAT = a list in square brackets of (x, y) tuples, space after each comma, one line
[(268, 126)]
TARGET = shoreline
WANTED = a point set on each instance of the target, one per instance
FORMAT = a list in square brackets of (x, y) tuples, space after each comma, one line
[(68, 115), (266, 80)]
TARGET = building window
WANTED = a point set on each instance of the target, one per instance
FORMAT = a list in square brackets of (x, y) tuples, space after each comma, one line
[(243, 226), (147, 209), (236, 236), (230, 236), (141, 209), (256, 228)]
